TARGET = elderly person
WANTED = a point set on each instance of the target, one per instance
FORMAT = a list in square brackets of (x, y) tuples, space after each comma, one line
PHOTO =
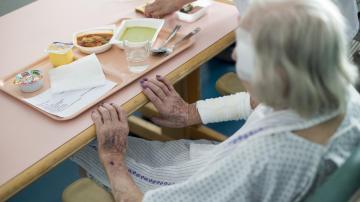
[(292, 58)]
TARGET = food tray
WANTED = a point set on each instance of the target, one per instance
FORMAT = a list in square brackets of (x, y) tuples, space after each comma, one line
[(114, 65)]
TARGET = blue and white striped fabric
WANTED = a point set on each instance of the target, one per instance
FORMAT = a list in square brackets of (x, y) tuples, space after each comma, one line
[(152, 164)]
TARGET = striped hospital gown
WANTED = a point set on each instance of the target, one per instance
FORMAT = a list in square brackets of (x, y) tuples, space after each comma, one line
[(276, 167)]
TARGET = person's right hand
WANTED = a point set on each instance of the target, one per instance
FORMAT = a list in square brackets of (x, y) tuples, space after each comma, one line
[(174, 111), (160, 8), (112, 131)]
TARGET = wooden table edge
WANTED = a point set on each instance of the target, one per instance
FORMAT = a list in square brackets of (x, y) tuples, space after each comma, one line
[(51, 160)]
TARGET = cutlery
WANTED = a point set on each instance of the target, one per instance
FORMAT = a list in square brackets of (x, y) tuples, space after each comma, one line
[(159, 50), (167, 51)]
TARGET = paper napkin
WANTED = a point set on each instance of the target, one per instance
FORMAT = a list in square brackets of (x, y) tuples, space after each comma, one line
[(82, 74)]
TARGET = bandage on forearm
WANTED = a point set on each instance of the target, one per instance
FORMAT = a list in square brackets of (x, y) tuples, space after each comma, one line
[(226, 108)]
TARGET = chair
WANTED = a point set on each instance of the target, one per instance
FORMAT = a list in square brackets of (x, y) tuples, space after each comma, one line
[(228, 84), (86, 190), (342, 184)]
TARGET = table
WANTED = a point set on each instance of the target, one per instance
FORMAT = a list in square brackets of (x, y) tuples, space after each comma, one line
[(31, 144)]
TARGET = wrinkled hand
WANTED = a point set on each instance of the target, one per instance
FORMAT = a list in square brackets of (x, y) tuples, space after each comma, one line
[(111, 129), (160, 8), (174, 111)]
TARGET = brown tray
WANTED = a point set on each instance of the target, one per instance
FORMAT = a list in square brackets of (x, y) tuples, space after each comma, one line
[(114, 65)]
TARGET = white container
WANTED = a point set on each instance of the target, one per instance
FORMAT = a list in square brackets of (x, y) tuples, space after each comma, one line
[(139, 22), (192, 17), (96, 30)]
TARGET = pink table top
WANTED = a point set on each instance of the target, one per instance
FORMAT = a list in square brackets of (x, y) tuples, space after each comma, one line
[(27, 135)]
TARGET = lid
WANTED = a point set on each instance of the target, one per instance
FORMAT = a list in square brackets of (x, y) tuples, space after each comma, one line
[(59, 48), (28, 77)]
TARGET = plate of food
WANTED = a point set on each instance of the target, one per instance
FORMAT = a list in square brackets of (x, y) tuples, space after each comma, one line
[(94, 40), (137, 30)]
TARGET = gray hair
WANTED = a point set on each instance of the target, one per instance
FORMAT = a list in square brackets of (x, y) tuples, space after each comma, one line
[(302, 61)]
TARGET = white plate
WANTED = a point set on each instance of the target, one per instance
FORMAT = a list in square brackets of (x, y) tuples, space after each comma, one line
[(97, 49), (139, 22)]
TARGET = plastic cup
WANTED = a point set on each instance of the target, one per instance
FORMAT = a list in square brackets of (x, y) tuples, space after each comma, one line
[(60, 54), (137, 55)]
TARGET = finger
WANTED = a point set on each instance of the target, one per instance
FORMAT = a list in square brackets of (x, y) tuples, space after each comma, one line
[(123, 116), (118, 110), (157, 14), (166, 82), (162, 85), (96, 117), (156, 89), (152, 7), (113, 113), (148, 10), (104, 114), (152, 97)]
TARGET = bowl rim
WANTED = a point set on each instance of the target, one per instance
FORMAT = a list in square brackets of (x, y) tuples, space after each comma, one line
[(120, 30), (89, 30)]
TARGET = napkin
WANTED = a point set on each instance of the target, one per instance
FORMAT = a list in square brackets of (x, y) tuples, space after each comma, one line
[(81, 74)]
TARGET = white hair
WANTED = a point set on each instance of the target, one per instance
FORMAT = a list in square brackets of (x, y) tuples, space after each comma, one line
[(301, 61)]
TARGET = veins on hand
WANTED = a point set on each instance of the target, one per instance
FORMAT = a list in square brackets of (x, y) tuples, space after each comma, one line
[(114, 143)]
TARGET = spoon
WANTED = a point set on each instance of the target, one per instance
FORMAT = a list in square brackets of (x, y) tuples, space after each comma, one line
[(57, 42), (167, 51), (156, 51)]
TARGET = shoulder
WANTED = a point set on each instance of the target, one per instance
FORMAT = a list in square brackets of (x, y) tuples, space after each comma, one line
[(281, 152)]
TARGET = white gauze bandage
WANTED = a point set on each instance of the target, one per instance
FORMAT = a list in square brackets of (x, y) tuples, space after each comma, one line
[(245, 55), (226, 108)]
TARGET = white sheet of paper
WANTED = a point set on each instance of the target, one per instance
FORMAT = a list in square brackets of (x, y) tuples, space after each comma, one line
[(81, 74), (68, 103)]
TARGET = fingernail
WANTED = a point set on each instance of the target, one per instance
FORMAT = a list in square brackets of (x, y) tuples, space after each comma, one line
[(158, 76), (145, 79), (142, 81)]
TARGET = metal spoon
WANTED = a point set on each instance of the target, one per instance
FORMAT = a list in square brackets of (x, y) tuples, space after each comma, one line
[(156, 51), (167, 51), (57, 42)]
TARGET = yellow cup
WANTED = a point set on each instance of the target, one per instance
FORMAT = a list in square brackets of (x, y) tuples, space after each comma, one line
[(60, 54)]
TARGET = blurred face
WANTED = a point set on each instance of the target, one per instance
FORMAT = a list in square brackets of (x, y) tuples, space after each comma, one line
[(244, 54)]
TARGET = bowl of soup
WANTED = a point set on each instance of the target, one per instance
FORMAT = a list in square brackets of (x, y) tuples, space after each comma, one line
[(137, 31), (95, 40)]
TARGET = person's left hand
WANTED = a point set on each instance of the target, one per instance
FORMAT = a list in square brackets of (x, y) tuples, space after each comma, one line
[(174, 111), (111, 130)]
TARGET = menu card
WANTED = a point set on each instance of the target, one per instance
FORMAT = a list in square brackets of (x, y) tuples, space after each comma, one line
[(69, 103)]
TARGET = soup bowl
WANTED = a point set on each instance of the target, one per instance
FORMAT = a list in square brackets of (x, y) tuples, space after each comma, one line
[(137, 30)]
